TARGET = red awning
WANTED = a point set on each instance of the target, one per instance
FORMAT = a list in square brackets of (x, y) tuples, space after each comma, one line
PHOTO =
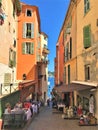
[(26, 83), (75, 86), (26, 88)]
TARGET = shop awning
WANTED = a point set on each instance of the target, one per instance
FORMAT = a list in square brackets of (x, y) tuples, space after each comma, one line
[(26, 88), (26, 83), (76, 86)]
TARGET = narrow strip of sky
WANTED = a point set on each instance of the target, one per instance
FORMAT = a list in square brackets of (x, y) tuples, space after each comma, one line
[(52, 13)]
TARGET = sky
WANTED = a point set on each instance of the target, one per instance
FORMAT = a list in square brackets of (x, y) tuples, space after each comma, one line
[(52, 14)]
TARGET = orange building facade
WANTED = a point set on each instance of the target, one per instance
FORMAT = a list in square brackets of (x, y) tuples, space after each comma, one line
[(28, 52), (59, 60)]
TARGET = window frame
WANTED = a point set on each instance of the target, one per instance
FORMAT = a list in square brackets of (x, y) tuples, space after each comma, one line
[(25, 30), (86, 8), (31, 12), (87, 36), (87, 72), (28, 48)]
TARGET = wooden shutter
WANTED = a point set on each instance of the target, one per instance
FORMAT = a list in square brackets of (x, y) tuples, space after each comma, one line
[(32, 30), (32, 48), (14, 58), (24, 30), (87, 36), (23, 48)]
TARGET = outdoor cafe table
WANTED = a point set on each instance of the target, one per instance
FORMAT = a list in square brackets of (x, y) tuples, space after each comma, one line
[(60, 107), (27, 112)]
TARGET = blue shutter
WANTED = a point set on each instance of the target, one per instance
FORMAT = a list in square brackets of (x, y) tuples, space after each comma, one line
[(24, 30), (32, 30)]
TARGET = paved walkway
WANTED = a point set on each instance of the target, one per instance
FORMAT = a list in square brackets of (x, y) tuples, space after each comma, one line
[(46, 120)]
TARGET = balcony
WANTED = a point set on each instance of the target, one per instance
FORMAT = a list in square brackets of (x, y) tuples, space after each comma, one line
[(68, 30), (43, 61), (45, 50)]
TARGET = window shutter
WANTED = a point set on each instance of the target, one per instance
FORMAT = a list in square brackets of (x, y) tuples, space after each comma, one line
[(24, 30), (32, 30), (23, 48), (70, 47), (32, 48), (87, 36), (14, 58)]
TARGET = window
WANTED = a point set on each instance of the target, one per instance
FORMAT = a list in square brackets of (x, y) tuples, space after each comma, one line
[(29, 13), (14, 43), (66, 53), (86, 6), (87, 72), (28, 30), (87, 36), (9, 27), (45, 77), (12, 58), (38, 57), (68, 74), (70, 48), (14, 10), (28, 48), (65, 75)]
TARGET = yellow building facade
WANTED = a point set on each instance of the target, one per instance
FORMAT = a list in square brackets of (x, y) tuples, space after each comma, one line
[(81, 51)]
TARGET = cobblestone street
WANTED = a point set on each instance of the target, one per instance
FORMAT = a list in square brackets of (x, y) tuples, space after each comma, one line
[(46, 120)]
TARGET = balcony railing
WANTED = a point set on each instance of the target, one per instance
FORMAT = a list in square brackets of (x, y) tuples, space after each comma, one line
[(8, 89), (46, 50)]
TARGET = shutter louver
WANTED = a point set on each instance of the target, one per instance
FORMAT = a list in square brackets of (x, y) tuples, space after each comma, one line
[(87, 37), (24, 30), (32, 48), (32, 30), (23, 48)]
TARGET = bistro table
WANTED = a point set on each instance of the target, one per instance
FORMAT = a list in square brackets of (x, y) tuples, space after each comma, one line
[(61, 107)]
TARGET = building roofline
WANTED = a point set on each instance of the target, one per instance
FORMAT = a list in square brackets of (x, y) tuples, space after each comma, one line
[(37, 11)]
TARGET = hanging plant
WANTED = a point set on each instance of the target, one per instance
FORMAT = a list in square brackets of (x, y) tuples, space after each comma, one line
[(18, 5)]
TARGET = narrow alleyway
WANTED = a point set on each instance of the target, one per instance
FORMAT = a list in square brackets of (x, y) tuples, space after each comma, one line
[(46, 120)]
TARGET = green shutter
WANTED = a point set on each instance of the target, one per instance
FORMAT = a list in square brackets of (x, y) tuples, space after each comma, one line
[(24, 30), (23, 48), (32, 30), (84, 2), (14, 58), (87, 36), (32, 48)]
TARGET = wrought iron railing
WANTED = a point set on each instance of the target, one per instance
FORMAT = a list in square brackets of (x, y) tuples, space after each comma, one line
[(8, 89)]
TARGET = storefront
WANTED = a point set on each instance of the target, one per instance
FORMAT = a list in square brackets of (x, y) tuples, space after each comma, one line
[(79, 93)]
